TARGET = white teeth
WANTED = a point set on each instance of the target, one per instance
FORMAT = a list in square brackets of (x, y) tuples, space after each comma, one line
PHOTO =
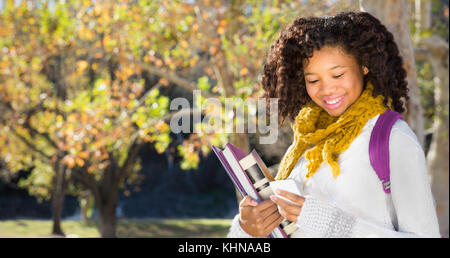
[(333, 101)]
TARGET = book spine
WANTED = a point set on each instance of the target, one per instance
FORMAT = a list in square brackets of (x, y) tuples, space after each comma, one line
[(241, 176), (228, 169)]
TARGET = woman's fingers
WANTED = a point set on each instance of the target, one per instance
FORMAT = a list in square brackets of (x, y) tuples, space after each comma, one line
[(248, 201), (274, 221), (288, 210), (269, 219), (264, 205), (255, 219), (258, 212), (291, 196), (267, 212)]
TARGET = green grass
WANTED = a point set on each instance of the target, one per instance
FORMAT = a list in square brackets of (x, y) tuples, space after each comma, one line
[(172, 228)]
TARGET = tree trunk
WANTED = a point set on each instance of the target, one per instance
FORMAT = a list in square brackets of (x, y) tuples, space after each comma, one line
[(105, 193), (59, 185), (393, 14), (422, 18), (108, 220), (106, 200), (106, 190), (85, 204), (436, 52)]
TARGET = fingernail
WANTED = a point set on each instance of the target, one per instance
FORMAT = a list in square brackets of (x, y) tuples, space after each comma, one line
[(278, 191), (273, 197), (254, 203)]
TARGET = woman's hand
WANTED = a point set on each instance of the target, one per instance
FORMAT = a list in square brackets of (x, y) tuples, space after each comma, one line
[(289, 210), (258, 219)]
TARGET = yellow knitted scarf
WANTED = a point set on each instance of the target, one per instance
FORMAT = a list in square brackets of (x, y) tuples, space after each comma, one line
[(328, 136)]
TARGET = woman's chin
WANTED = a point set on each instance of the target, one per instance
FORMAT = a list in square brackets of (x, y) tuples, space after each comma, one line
[(335, 112)]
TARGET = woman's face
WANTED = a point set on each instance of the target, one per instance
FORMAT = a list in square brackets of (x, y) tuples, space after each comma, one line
[(334, 80)]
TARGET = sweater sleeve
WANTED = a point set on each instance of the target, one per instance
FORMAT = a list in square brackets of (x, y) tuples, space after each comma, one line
[(410, 192), (236, 231)]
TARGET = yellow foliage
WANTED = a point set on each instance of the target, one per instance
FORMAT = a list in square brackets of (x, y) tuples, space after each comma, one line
[(161, 126), (72, 118), (244, 71), (184, 43), (158, 62), (81, 65), (83, 154), (213, 50), (148, 138), (79, 161), (164, 81), (69, 161)]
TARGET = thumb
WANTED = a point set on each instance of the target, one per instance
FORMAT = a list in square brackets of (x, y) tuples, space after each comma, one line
[(248, 201)]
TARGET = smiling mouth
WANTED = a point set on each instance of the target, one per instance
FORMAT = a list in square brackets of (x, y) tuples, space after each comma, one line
[(333, 103)]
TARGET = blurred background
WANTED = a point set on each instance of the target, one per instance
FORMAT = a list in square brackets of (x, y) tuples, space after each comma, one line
[(85, 88)]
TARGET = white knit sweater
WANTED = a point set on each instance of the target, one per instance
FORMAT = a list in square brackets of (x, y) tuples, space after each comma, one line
[(354, 204)]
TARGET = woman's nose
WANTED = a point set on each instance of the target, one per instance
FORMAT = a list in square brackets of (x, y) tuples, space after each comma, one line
[(328, 88)]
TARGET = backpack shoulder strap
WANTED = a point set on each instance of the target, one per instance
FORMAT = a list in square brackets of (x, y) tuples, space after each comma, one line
[(379, 147)]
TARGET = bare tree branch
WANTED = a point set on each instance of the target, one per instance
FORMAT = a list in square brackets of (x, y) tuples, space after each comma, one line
[(30, 145), (172, 78)]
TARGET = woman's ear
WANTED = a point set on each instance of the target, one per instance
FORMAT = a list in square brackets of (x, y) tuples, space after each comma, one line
[(365, 70)]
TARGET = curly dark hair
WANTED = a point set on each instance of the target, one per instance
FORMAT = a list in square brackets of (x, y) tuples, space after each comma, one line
[(357, 33)]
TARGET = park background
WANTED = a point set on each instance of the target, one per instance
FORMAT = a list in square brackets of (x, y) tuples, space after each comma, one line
[(85, 87)]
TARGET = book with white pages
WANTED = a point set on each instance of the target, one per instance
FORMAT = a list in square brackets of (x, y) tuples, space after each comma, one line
[(251, 177)]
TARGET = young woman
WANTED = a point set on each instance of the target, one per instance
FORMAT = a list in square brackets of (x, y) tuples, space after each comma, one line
[(334, 76)]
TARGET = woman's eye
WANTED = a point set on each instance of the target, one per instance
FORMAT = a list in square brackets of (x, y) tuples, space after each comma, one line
[(313, 81), (337, 76)]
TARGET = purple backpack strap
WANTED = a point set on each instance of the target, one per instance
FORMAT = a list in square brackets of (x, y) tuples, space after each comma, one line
[(379, 147)]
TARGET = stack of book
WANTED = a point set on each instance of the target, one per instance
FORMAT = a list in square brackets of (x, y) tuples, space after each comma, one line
[(251, 177)]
